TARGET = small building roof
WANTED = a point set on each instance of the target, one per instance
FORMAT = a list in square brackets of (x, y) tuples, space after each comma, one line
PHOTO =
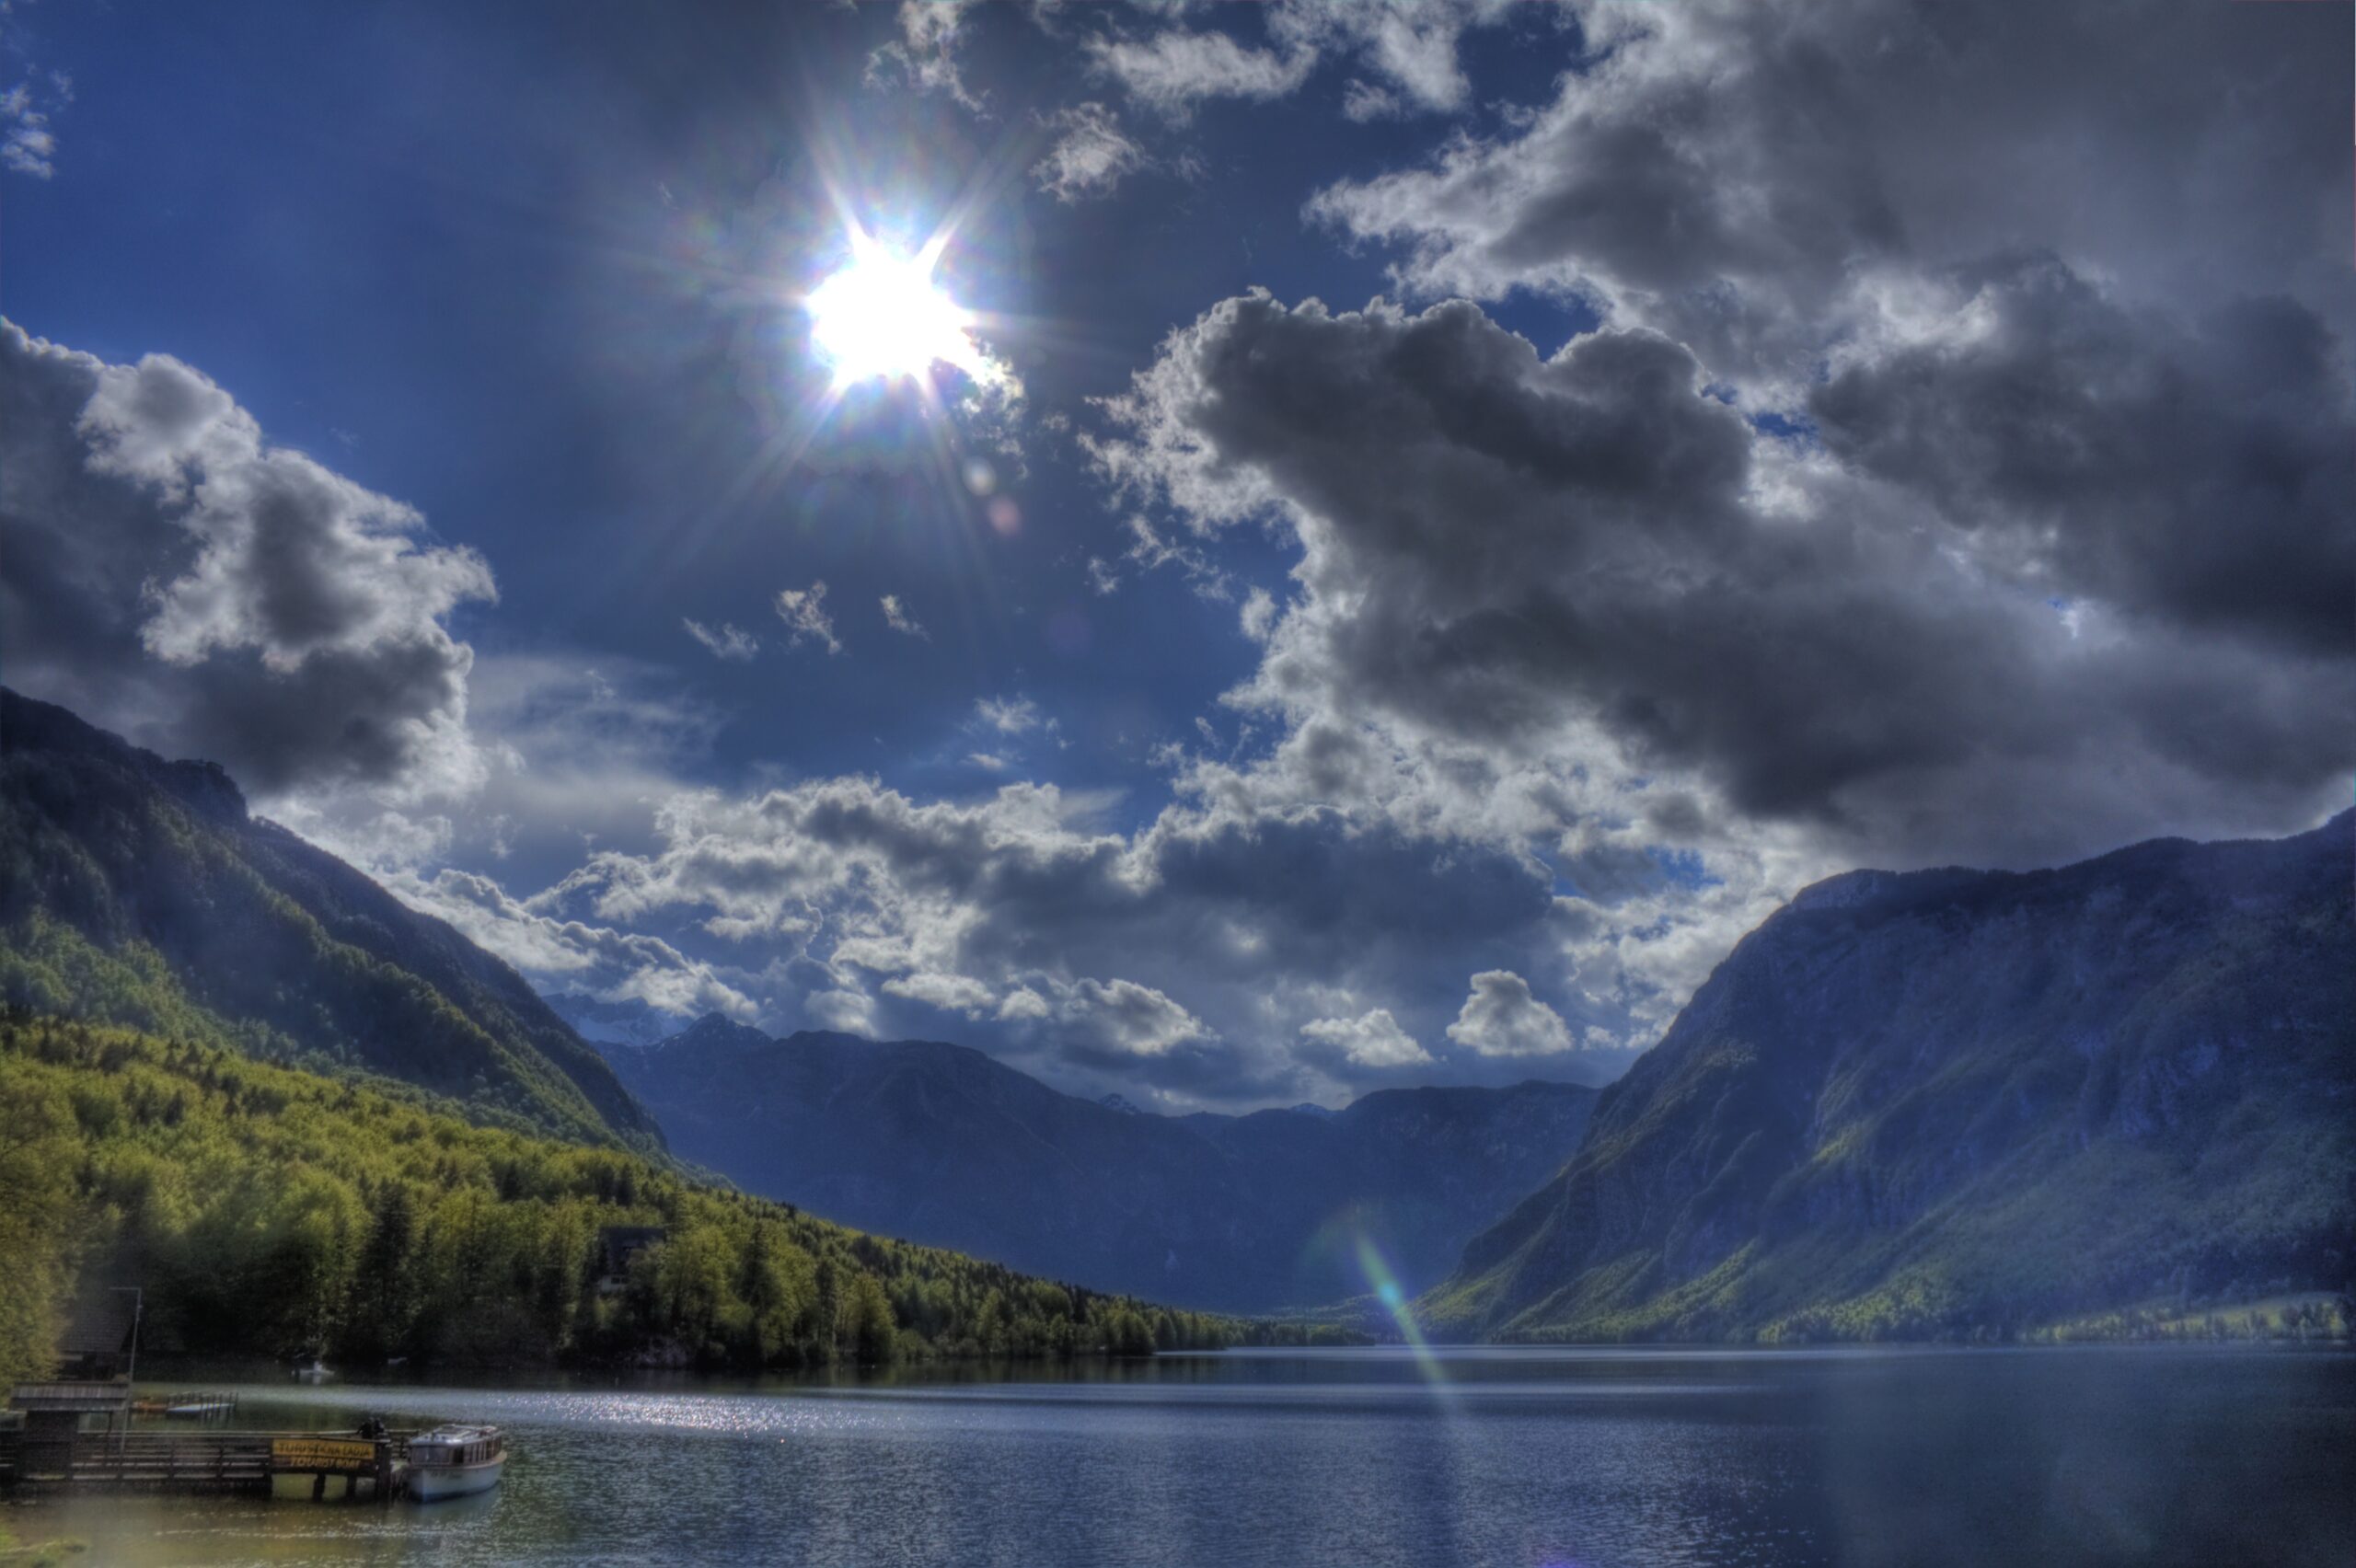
[(113, 1394)]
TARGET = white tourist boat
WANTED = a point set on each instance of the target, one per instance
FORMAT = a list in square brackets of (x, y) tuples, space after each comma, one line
[(454, 1461)]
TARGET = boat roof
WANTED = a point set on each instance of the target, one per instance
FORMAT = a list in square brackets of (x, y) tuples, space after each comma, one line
[(456, 1432)]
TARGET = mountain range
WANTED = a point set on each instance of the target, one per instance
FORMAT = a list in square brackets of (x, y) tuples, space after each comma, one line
[(944, 1145), (139, 892), (1943, 1103), (1950, 1102)]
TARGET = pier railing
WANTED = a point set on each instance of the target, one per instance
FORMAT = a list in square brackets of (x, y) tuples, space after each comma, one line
[(209, 1461), (202, 1461)]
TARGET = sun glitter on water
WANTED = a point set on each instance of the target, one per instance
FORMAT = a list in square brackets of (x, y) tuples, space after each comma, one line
[(883, 317)]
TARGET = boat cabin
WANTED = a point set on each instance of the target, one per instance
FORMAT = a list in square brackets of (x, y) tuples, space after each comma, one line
[(454, 1445)]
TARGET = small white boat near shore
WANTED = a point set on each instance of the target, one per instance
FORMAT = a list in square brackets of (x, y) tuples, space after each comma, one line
[(313, 1371), (454, 1461)]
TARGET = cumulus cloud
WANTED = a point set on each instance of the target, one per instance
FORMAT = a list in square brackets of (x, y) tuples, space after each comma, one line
[(728, 642), (897, 617), (1089, 156), (1502, 1019), (1124, 1019), (1185, 956), (169, 572), (803, 611), (1594, 558), (1373, 1039)]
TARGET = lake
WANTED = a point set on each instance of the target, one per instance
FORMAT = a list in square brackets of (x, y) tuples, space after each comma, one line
[(1499, 1458)]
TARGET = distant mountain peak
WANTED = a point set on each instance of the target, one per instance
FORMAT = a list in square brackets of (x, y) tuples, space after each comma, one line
[(941, 1144), (712, 1031), (628, 1020)]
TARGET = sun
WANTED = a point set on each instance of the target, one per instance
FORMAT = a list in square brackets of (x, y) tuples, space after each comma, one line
[(881, 317)]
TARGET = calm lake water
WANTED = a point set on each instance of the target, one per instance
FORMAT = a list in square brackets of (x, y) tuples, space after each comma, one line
[(1514, 1458)]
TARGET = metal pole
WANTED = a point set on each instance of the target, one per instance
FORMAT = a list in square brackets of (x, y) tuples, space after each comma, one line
[(130, 1378)]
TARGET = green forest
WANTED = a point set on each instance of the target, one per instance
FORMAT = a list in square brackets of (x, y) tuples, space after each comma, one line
[(268, 1211)]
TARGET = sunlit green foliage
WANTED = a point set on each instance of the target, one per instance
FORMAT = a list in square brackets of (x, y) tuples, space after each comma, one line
[(271, 1211)]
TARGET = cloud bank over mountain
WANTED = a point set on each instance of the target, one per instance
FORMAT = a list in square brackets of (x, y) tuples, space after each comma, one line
[(1789, 437)]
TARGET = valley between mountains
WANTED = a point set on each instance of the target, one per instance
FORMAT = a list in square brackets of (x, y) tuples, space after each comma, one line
[(2107, 1098)]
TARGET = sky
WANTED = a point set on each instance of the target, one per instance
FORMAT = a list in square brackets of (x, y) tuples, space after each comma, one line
[(1433, 521)]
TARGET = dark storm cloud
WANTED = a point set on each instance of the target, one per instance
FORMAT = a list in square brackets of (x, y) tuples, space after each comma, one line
[(1513, 550), (168, 573), (1728, 168), (2203, 472)]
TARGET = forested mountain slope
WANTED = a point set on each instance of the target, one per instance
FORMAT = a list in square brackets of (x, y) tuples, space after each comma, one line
[(942, 1143), (1960, 1103), (139, 892), (266, 1211)]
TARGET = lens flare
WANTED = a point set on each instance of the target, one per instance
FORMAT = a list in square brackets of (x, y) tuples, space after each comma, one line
[(1387, 1289), (883, 318)]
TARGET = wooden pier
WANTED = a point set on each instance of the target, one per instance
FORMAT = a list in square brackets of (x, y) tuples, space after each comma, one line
[(323, 1466)]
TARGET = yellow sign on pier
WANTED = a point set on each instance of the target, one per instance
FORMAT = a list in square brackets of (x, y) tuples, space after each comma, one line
[(337, 1456)]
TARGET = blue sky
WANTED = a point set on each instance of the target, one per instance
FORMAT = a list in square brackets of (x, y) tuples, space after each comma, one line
[(1722, 492), (563, 256)]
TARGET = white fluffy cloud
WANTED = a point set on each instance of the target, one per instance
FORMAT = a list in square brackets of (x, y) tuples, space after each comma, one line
[(1373, 1039), (1502, 1019), (1186, 955)]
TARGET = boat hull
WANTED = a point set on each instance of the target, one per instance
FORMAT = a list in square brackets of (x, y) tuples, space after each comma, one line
[(431, 1483)]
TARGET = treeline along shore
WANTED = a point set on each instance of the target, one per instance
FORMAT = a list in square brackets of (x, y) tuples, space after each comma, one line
[(270, 1211)]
